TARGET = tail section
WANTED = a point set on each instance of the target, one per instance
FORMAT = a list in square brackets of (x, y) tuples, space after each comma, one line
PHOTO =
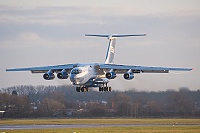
[(111, 46), (110, 51)]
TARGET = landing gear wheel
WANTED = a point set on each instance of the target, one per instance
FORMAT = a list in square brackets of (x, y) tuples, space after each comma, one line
[(105, 88), (109, 89), (78, 89), (82, 89), (100, 88)]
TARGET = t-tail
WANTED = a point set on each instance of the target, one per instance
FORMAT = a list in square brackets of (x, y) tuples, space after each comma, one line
[(111, 46)]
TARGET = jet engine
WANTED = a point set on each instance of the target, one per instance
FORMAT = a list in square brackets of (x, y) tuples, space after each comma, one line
[(62, 75), (49, 75), (111, 75), (128, 76)]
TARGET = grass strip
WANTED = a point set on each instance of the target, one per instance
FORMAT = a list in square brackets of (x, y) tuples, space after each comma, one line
[(97, 121)]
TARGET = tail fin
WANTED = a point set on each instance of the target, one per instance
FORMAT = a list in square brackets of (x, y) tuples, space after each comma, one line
[(111, 46), (110, 51)]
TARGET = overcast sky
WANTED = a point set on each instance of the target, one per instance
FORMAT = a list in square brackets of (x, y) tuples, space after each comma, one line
[(51, 32)]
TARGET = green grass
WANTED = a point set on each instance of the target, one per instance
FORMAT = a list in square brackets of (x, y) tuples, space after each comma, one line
[(172, 127), (96, 121), (150, 129)]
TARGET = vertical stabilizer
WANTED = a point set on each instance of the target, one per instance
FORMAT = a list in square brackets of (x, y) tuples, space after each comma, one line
[(111, 46), (110, 51)]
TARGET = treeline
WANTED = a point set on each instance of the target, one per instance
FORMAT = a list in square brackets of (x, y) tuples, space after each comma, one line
[(64, 101)]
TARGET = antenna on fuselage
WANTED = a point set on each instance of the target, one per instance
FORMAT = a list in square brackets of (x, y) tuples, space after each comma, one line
[(111, 46)]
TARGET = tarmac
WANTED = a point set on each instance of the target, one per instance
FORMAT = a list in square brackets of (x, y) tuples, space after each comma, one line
[(23, 127)]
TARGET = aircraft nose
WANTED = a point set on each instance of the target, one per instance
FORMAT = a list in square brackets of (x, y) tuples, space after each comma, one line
[(75, 81)]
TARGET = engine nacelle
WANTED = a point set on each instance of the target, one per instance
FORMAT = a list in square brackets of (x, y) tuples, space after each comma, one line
[(128, 76), (62, 75), (49, 76), (111, 75)]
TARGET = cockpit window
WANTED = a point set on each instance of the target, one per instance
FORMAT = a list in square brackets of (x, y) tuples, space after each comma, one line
[(76, 71)]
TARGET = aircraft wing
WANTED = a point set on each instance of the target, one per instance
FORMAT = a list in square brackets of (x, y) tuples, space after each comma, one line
[(120, 69), (43, 69)]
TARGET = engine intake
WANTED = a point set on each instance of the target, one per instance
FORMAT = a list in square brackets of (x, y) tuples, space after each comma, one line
[(62, 75), (111, 75), (49, 76), (128, 76)]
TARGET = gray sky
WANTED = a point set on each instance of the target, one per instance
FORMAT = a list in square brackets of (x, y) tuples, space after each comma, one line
[(51, 32)]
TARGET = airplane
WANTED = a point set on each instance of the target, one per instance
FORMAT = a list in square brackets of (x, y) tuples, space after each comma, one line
[(86, 75)]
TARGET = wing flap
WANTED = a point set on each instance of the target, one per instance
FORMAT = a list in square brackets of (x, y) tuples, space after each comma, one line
[(119, 69)]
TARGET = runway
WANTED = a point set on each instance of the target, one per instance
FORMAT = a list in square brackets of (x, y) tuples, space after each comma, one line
[(22, 127)]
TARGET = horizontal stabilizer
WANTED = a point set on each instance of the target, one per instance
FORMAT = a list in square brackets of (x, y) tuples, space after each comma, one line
[(128, 35), (114, 35), (97, 35)]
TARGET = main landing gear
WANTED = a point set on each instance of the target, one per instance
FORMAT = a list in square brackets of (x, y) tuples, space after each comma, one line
[(105, 88), (101, 89), (82, 89)]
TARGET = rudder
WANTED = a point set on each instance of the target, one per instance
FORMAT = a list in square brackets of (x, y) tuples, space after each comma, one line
[(110, 51)]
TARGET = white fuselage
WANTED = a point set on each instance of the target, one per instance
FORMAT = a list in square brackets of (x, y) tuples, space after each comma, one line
[(80, 75), (87, 75)]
